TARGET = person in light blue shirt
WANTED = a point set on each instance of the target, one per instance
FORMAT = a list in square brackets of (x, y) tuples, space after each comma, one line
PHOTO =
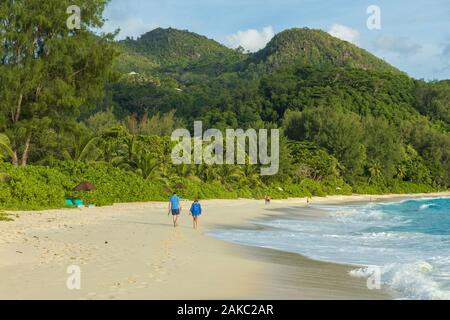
[(195, 212), (174, 208)]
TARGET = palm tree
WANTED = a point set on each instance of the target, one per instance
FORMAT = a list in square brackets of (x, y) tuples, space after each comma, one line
[(165, 173), (229, 173), (148, 167), (250, 176), (125, 153), (5, 147), (375, 170), (86, 151), (183, 170), (114, 152), (131, 155), (401, 172)]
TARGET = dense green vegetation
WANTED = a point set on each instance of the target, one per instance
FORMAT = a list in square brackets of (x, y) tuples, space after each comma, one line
[(168, 49), (76, 106), (317, 49)]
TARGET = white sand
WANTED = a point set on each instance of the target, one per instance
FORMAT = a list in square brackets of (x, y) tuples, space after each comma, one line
[(131, 251)]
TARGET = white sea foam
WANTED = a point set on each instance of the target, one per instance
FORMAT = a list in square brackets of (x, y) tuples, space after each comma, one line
[(411, 250), (410, 280)]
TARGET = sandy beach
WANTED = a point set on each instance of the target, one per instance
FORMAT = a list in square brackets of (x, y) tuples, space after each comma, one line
[(132, 251)]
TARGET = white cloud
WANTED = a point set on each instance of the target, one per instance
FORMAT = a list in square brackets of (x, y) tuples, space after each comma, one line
[(344, 33), (251, 39), (129, 27), (399, 45)]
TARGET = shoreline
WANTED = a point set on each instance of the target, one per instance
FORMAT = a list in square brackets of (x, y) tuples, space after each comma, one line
[(130, 251)]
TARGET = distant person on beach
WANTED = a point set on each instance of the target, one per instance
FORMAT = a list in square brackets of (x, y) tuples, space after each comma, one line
[(174, 208), (196, 211), (267, 200)]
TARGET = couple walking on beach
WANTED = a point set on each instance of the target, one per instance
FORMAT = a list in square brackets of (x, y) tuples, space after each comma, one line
[(175, 209)]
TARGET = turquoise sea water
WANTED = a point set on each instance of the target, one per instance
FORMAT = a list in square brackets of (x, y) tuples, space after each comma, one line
[(408, 240)]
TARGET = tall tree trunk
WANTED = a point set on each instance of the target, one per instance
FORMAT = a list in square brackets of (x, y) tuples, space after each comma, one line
[(19, 108), (14, 159), (26, 151)]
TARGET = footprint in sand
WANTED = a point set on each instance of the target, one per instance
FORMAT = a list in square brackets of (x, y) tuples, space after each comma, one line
[(116, 286), (170, 256)]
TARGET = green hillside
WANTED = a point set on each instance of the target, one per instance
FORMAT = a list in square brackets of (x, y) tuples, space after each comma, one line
[(172, 48), (318, 49), (168, 47), (300, 81), (130, 61)]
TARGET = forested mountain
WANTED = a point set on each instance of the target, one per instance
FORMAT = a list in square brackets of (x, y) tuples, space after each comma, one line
[(307, 47), (317, 49), (299, 68), (172, 47), (312, 85), (349, 121)]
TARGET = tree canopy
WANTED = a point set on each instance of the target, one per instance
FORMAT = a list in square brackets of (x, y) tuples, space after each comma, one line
[(73, 100)]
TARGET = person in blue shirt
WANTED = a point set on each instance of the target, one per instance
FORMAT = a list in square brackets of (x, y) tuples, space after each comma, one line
[(174, 208), (195, 212)]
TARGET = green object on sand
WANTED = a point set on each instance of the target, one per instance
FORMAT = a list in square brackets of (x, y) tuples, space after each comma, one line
[(78, 202)]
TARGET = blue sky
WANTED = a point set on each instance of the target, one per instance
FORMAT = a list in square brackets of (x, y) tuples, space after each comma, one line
[(414, 35)]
